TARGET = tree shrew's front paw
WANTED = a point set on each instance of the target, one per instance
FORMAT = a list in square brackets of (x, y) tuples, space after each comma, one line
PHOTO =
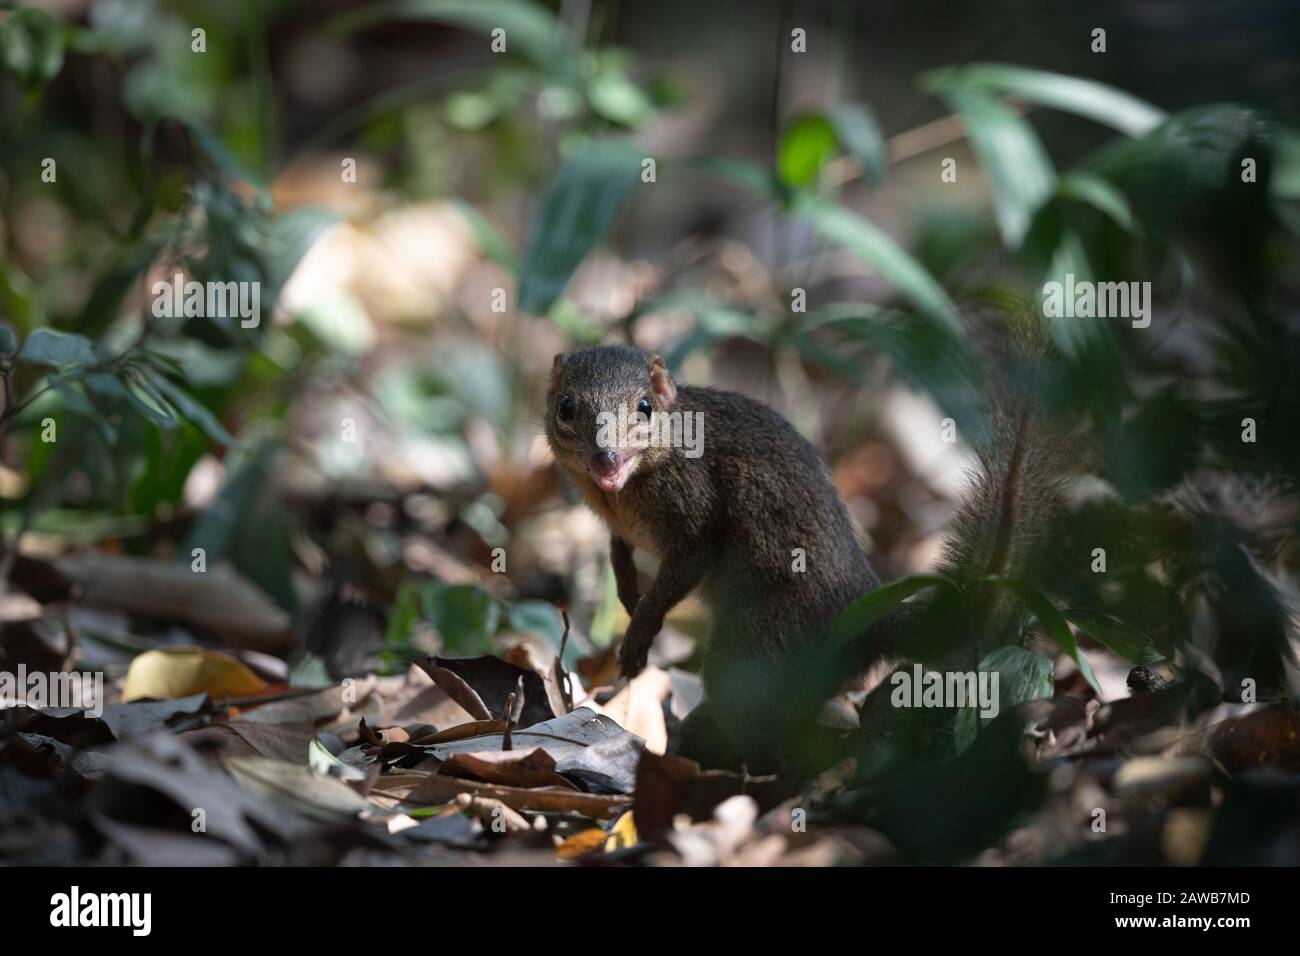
[(633, 655)]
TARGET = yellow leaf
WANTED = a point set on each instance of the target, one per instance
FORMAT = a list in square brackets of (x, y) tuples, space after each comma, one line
[(175, 672), (580, 843), (622, 834)]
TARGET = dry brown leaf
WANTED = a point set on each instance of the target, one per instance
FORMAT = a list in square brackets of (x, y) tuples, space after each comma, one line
[(512, 768), (639, 708), (218, 600), (475, 728), (458, 690), (424, 789)]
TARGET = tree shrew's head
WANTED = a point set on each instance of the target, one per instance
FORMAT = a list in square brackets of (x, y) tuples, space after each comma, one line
[(604, 409)]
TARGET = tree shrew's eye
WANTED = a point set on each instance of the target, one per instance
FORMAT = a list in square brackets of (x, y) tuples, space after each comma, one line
[(644, 408), (565, 408)]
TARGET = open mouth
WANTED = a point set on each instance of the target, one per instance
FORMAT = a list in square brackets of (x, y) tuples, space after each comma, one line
[(618, 479)]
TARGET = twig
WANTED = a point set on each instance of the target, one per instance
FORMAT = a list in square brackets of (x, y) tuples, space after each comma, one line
[(513, 710), (70, 655), (566, 684)]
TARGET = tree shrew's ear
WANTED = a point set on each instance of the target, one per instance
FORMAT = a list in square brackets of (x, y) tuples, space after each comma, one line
[(661, 382), (556, 368)]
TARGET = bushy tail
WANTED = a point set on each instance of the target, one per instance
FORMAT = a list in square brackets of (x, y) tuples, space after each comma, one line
[(1005, 526)]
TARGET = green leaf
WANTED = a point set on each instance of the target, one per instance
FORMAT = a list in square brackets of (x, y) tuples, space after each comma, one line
[(541, 618), (192, 409), (1187, 172), (1020, 175), (577, 210), (146, 400), (221, 158), (57, 349), (1100, 194), (1087, 98), (407, 611), (614, 95), (873, 605), (840, 225), (922, 353), (116, 386), (247, 525), (31, 47), (18, 299), (1154, 449), (466, 616), (101, 307), (806, 146), (74, 398), (1116, 635), (1022, 676), (860, 136), (1051, 621), (1286, 167), (712, 319)]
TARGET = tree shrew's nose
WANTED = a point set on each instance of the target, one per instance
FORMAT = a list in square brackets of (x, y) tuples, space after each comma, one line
[(604, 463)]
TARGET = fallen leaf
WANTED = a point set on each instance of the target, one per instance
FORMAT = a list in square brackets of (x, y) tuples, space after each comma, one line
[(584, 745), (494, 680), (513, 768), (662, 784), (585, 841), (475, 728), (639, 707), (167, 764), (424, 789), (622, 834), (127, 719), (458, 689), (299, 787), (667, 786), (174, 672), (688, 691), (288, 742), (147, 846), (218, 600)]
